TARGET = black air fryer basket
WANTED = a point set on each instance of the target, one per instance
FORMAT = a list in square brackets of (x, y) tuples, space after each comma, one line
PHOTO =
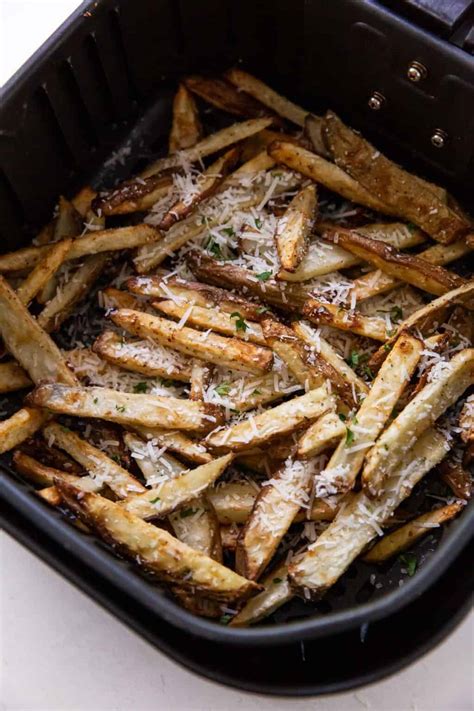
[(92, 104)]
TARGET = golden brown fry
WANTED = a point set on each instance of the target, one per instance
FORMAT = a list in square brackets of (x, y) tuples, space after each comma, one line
[(13, 377), (326, 432), (186, 129), (456, 477), (19, 427), (113, 298), (158, 551), (201, 375), (405, 536), (176, 442), (134, 195), (209, 347), (200, 529), (294, 227), (313, 129), (43, 271), (404, 193), (320, 312), (466, 420), (223, 95), (43, 475), (126, 408), (276, 592)]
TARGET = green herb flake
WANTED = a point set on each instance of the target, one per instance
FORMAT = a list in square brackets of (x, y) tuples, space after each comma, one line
[(409, 561), (263, 276), (120, 408), (368, 372), (262, 309), (342, 416), (396, 314), (155, 500), (354, 359), (411, 227), (140, 387), (257, 392), (277, 580), (166, 383), (258, 223), (229, 231), (225, 619), (95, 400), (240, 324), (349, 436), (187, 512), (223, 389)]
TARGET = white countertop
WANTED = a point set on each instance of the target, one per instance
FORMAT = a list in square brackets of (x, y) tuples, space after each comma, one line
[(60, 651)]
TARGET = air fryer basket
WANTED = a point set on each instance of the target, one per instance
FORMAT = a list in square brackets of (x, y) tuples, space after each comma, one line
[(95, 101)]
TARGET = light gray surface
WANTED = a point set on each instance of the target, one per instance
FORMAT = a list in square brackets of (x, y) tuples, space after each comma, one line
[(61, 652)]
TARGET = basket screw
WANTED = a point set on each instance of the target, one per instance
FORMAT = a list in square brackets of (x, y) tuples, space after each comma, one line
[(416, 72), (438, 138), (376, 101)]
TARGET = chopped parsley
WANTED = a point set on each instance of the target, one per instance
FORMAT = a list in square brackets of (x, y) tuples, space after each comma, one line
[(342, 416), (368, 372), (120, 408), (349, 436), (212, 247), (166, 383), (277, 580), (353, 359), (155, 500), (95, 400), (262, 309), (263, 276), (187, 512), (223, 389), (257, 392), (229, 231), (409, 561), (411, 227), (258, 223), (140, 387), (240, 324), (396, 314), (225, 619)]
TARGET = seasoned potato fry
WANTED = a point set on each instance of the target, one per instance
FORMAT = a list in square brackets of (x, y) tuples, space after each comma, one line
[(201, 375), (466, 420), (294, 227), (456, 477), (405, 536), (211, 144), (174, 493), (363, 430), (13, 377), (134, 195), (360, 520), (210, 181), (176, 442), (198, 527), (313, 129), (157, 550), (19, 427), (230, 352), (223, 95), (420, 414), (405, 267), (274, 510), (276, 592), (326, 432), (404, 193), (99, 466), (61, 305), (320, 312), (113, 298), (126, 408), (142, 357), (276, 422), (43, 475), (28, 342), (43, 271), (267, 96), (186, 129)]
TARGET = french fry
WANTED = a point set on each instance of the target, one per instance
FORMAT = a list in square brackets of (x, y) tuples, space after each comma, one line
[(416, 418), (205, 318), (211, 144), (274, 510), (265, 95), (275, 422), (456, 477), (360, 520), (361, 433), (404, 267), (379, 282), (304, 362), (43, 271), (176, 442), (83, 199), (209, 182), (28, 343), (276, 592), (466, 420), (126, 408), (153, 468), (212, 348), (223, 95), (294, 227), (113, 298), (326, 432), (43, 475), (405, 536), (403, 192), (173, 494), (201, 375), (134, 195), (313, 129), (320, 312), (99, 466), (142, 357), (324, 172), (19, 427), (157, 550), (13, 377), (61, 305), (186, 129)]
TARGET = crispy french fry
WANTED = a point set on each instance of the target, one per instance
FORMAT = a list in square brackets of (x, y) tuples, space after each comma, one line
[(405, 267), (456, 477), (205, 318), (361, 433), (211, 144), (13, 377), (134, 195), (275, 422), (210, 180), (43, 271), (43, 475), (113, 298), (233, 501), (404, 193), (360, 520), (425, 318), (274, 510), (28, 342), (173, 494), (99, 466), (61, 305), (320, 312), (326, 432), (19, 427), (186, 129), (420, 414), (83, 199), (276, 592), (313, 129), (294, 227), (201, 375), (267, 96), (405, 536), (230, 352), (466, 420), (176, 442), (157, 550), (126, 408), (142, 357), (326, 173), (223, 95)]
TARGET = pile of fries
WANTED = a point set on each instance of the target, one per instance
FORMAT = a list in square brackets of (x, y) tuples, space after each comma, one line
[(266, 352)]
